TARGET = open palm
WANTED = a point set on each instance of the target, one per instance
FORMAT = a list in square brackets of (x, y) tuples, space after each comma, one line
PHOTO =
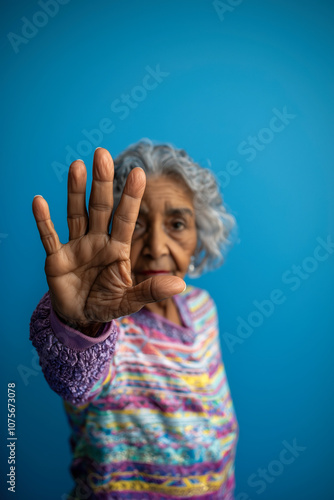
[(89, 277)]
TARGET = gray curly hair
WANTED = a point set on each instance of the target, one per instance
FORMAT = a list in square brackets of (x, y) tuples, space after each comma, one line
[(214, 224)]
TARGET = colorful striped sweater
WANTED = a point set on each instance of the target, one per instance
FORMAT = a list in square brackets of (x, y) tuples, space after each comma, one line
[(148, 402)]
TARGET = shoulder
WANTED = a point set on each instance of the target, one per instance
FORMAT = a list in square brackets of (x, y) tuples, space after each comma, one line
[(194, 294), (199, 301)]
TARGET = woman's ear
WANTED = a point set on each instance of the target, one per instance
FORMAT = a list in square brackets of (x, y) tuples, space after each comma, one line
[(191, 266)]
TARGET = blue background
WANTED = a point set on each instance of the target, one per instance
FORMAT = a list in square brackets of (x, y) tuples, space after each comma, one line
[(225, 72)]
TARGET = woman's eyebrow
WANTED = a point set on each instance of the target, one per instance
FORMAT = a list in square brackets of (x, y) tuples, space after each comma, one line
[(170, 211), (179, 211)]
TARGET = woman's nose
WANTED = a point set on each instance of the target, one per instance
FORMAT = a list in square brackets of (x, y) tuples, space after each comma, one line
[(156, 242)]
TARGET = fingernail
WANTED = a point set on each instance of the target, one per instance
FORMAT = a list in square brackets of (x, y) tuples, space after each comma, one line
[(38, 195)]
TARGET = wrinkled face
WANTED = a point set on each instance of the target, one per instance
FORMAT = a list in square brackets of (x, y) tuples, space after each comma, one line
[(165, 235)]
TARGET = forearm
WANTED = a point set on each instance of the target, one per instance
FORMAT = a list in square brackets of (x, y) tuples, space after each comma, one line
[(75, 365)]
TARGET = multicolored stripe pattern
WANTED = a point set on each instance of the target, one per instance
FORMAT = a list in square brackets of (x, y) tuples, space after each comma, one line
[(160, 423)]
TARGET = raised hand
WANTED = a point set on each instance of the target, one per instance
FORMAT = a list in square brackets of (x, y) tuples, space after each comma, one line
[(89, 277)]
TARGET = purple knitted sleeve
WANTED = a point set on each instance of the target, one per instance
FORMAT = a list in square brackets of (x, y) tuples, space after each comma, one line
[(73, 363)]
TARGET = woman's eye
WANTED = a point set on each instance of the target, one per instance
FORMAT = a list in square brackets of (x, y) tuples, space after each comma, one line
[(178, 224)]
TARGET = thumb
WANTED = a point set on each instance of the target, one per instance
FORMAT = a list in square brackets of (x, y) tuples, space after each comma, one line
[(153, 290)]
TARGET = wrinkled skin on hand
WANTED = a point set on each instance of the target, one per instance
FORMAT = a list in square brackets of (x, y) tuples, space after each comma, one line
[(89, 277)]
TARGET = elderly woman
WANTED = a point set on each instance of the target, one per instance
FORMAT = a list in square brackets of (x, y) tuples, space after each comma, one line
[(133, 351)]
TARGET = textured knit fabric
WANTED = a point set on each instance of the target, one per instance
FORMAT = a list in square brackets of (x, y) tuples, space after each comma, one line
[(148, 402)]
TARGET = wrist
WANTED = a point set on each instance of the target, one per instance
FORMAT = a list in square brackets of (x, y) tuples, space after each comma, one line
[(89, 329)]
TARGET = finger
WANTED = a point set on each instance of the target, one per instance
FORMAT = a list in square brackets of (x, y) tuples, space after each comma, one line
[(126, 214), (77, 217), (45, 226), (153, 290), (101, 195)]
